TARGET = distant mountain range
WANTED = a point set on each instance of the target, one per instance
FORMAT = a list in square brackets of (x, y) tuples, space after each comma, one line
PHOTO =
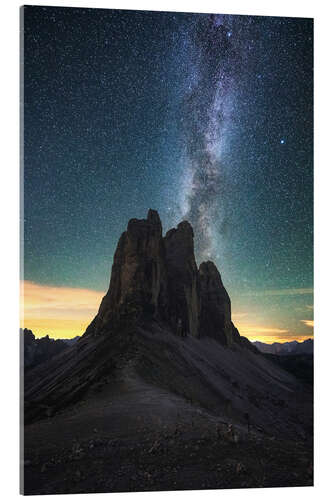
[(286, 348), (37, 351)]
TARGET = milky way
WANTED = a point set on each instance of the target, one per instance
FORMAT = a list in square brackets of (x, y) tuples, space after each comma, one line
[(207, 107), (203, 117)]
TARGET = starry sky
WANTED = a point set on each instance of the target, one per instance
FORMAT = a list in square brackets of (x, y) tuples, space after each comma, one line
[(203, 117)]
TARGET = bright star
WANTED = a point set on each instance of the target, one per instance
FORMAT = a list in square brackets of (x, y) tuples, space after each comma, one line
[(282, 141)]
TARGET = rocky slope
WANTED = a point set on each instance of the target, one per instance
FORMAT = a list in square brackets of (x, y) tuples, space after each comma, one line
[(166, 323), (161, 392)]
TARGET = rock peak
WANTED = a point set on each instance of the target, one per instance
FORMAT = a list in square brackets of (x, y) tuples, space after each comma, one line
[(182, 273), (208, 266), (156, 278), (185, 227), (153, 216), (215, 304)]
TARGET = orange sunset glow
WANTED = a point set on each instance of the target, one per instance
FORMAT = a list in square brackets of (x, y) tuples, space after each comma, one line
[(268, 335), (65, 312), (60, 312)]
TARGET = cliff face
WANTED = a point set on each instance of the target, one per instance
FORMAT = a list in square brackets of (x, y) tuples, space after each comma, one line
[(183, 286), (157, 277), (138, 277), (215, 317)]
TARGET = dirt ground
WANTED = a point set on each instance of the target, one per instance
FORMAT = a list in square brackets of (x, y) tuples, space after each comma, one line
[(135, 437)]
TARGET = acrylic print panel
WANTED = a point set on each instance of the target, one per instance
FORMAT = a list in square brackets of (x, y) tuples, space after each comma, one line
[(167, 150)]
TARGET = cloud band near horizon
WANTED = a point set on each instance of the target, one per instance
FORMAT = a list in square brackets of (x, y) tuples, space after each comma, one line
[(60, 312), (65, 312)]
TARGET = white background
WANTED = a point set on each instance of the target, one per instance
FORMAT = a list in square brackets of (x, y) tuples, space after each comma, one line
[(9, 237)]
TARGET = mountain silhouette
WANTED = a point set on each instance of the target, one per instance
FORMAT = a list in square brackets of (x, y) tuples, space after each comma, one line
[(286, 348), (36, 351), (166, 323)]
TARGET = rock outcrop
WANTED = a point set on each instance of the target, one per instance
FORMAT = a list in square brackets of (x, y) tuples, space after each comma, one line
[(155, 277)]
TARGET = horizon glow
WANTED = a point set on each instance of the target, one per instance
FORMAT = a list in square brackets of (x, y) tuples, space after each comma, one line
[(203, 117), (64, 312)]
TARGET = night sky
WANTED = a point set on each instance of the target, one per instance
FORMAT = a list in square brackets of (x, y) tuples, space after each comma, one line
[(203, 117)]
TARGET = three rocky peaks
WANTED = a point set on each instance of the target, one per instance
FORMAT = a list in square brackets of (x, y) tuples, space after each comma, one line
[(157, 278)]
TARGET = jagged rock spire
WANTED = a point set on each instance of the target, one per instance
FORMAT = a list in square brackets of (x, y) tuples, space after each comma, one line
[(157, 278), (215, 318), (138, 272), (182, 271)]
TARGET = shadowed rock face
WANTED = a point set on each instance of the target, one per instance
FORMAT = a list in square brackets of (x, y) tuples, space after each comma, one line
[(182, 273), (138, 278), (215, 318), (155, 277)]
